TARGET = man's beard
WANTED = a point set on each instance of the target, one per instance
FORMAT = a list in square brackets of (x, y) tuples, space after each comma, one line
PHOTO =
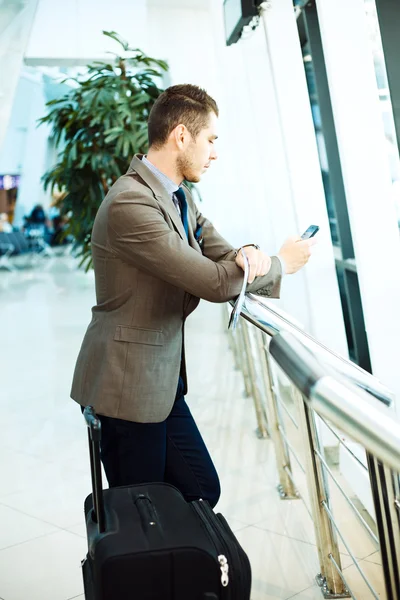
[(185, 167)]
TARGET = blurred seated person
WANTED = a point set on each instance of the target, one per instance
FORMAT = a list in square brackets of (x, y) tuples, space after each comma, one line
[(37, 216), (5, 226), (36, 221), (36, 226)]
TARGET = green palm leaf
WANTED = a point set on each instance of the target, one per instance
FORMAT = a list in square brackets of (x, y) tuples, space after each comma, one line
[(97, 127)]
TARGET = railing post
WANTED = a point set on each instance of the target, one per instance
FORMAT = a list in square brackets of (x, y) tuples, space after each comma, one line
[(286, 487), (243, 359), (328, 579), (262, 431), (233, 341), (385, 486)]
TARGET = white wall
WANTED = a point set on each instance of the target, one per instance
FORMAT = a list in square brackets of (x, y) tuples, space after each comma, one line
[(15, 23), (25, 145)]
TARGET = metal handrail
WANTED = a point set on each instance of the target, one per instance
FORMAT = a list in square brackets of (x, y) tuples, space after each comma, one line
[(327, 386), (351, 409), (272, 322), (365, 420)]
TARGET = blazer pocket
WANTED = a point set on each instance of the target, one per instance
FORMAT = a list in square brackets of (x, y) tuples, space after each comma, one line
[(137, 335)]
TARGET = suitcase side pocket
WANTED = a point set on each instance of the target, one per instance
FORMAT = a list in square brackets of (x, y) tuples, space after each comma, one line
[(242, 559), (223, 555), (235, 569)]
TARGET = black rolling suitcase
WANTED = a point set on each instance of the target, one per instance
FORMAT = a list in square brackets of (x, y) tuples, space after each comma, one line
[(145, 542)]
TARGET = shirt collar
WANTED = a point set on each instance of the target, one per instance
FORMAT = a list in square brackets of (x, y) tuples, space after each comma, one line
[(168, 184)]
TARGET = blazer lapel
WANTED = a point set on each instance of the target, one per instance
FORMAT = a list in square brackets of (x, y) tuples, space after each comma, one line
[(167, 201), (192, 240), (159, 192)]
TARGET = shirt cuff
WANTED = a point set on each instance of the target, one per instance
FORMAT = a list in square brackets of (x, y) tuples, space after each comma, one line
[(282, 264)]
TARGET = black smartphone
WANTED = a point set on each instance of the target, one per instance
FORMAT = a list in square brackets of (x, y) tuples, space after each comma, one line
[(310, 232)]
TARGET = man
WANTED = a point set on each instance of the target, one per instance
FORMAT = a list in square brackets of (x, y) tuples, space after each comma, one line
[(154, 257)]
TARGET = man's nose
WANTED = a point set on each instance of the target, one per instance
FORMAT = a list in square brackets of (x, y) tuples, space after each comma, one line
[(213, 155)]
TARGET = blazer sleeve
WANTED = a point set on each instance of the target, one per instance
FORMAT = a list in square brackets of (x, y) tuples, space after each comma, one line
[(218, 249), (139, 234)]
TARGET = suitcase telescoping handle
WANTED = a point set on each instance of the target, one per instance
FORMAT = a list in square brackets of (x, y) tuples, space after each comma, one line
[(94, 435)]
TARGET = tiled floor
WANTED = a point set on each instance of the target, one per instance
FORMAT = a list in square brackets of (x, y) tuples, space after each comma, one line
[(44, 474)]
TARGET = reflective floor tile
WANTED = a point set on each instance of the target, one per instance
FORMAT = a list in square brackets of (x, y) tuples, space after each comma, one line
[(311, 593), (59, 503), (290, 517), (79, 529), (281, 566), (16, 527), (374, 558), (235, 525), (358, 586), (19, 471), (47, 568), (253, 504)]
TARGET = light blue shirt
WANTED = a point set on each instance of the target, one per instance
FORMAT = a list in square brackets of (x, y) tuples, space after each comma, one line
[(168, 184)]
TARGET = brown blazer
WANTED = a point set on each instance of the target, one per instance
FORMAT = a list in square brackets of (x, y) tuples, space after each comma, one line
[(149, 277)]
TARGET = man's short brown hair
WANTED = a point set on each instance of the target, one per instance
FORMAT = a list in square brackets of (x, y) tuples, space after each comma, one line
[(187, 104)]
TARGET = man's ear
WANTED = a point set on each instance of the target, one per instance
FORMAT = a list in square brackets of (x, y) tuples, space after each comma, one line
[(180, 134)]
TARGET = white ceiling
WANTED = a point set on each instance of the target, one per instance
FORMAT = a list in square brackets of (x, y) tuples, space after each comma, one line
[(196, 4)]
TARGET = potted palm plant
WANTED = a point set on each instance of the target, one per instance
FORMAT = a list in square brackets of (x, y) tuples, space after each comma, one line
[(98, 126)]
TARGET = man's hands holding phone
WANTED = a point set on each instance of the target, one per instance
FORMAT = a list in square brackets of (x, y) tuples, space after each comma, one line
[(295, 254)]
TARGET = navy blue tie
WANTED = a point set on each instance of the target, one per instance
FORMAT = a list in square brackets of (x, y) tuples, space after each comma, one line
[(180, 194)]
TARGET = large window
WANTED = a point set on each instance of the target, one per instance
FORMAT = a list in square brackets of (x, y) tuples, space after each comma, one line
[(332, 177), (384, 99), (319, 134)]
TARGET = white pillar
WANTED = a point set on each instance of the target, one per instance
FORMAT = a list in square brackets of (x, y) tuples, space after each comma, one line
[(35, 146), (15, 25), (367, 181), (306, 205)]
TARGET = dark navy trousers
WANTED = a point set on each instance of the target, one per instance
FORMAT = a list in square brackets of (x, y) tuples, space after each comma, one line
[(172, 451)]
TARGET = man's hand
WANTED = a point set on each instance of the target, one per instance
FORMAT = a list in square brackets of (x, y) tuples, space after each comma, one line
[(259, 263), (296, 253)]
